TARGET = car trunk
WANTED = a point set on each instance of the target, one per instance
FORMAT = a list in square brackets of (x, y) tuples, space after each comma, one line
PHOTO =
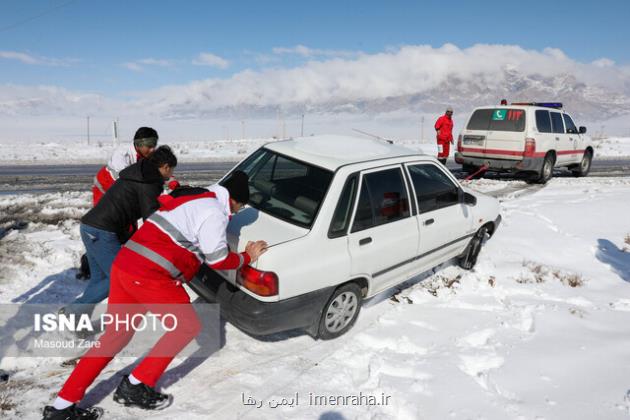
[(253, 225)]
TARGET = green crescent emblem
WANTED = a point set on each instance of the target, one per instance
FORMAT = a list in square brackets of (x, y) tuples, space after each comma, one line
[(499, 114)]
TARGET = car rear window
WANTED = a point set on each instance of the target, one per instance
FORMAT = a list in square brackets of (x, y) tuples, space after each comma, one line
[(499, 119), (286, 188)]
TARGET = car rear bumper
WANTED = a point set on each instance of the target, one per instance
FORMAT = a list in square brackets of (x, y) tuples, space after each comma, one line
[(257, 317), (510, 165)]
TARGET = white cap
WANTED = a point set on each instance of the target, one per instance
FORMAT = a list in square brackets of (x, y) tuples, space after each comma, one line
[(449, 109)]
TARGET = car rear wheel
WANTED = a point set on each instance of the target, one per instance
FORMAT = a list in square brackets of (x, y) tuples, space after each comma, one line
[(585, 165), (468, 259), (340, 312)]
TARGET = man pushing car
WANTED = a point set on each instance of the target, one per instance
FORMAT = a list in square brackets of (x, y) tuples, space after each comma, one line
[(148, 272)]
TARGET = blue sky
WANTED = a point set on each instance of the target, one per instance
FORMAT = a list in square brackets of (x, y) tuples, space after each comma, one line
[(98, 45)]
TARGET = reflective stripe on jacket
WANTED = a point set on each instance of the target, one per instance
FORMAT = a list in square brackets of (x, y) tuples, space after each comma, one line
[(184, 233)]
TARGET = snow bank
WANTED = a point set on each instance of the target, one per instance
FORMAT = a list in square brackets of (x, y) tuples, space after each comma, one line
[(75, 152)]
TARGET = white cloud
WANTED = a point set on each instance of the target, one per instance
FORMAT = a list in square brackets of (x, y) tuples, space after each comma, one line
[(336, 83), (133, 66), (20, 101), (36, 60), (139, 65), (211, 60), (603, 62), (408, 70), (304, 51)]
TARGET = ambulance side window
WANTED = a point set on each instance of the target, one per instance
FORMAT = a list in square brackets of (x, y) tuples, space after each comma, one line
[(556, 122)]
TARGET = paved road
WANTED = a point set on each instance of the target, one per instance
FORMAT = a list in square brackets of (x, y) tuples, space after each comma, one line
[(53, 178)]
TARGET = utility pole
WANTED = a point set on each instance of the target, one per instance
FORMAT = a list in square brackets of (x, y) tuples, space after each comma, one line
[(302, 129), (284, 128), (242, 130), (115, 133), (88, 130)]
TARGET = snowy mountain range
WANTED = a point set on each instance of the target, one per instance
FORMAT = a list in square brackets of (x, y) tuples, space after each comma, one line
[(584, 100)]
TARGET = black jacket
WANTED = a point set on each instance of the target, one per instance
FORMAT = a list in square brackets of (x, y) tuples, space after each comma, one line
[(133, 195)]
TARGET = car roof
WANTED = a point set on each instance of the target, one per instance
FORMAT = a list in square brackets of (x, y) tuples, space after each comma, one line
[(333, 151), (546, 108)]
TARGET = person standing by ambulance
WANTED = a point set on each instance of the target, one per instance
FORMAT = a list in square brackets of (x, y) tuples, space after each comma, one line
[(444, 130), (167, 250)]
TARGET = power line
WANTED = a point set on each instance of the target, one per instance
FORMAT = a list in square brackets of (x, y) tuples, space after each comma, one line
[(45, 12)]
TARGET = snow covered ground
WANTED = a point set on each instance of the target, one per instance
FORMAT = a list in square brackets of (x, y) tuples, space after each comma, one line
[(612, 147), (75, 152), (536, 331)]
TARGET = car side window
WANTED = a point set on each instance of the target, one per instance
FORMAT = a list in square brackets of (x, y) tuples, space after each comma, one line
[(341, 218), (543, 122), (556, 122), (433, 187), (568, 122), (383, 199)]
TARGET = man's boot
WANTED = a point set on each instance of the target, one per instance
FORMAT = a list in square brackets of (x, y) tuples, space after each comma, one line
[(72, 413), (141, 395)]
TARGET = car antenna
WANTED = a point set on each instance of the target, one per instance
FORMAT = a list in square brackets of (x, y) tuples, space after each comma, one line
[(374, 136)]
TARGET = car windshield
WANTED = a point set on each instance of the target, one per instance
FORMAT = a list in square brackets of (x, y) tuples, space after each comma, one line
[(284, 187)]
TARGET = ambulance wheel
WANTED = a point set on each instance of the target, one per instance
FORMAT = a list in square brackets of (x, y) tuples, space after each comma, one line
[(585, 165), (546, 171)]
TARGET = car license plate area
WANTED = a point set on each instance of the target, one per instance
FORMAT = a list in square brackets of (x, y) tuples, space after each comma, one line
[(474, 140)]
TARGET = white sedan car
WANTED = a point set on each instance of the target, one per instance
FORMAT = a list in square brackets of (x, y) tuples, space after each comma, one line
[(345, 218)]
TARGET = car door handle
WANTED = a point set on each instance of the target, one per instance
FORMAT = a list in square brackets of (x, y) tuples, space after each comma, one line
[(365, 241), (558, 138), (428, 222)]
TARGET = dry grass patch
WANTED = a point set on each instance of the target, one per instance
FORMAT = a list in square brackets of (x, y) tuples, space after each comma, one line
[(538, 273), (11, 389)]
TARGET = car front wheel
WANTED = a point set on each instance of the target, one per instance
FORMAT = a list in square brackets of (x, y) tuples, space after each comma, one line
[(340, 312), (469, 258)]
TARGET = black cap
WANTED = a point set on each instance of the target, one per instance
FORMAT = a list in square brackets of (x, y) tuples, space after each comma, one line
[(238, 186)]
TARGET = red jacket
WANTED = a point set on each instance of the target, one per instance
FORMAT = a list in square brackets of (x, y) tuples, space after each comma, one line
[(184, 233), (445, 125)]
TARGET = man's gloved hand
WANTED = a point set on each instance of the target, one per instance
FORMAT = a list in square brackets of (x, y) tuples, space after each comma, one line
[(173, 184)]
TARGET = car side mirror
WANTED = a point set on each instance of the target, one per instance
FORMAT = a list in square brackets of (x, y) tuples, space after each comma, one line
[(582, 129), (470, 199)]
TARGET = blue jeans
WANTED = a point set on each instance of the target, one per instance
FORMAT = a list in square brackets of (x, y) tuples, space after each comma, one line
[(102, 247)]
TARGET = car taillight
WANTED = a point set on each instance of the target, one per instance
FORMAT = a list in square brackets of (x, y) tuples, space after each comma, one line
[(263, 283), (459, 143), (530, 147)]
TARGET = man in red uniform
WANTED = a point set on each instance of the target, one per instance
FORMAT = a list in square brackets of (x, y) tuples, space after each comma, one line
[(144, 143), (148, 272), (444, 129)]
